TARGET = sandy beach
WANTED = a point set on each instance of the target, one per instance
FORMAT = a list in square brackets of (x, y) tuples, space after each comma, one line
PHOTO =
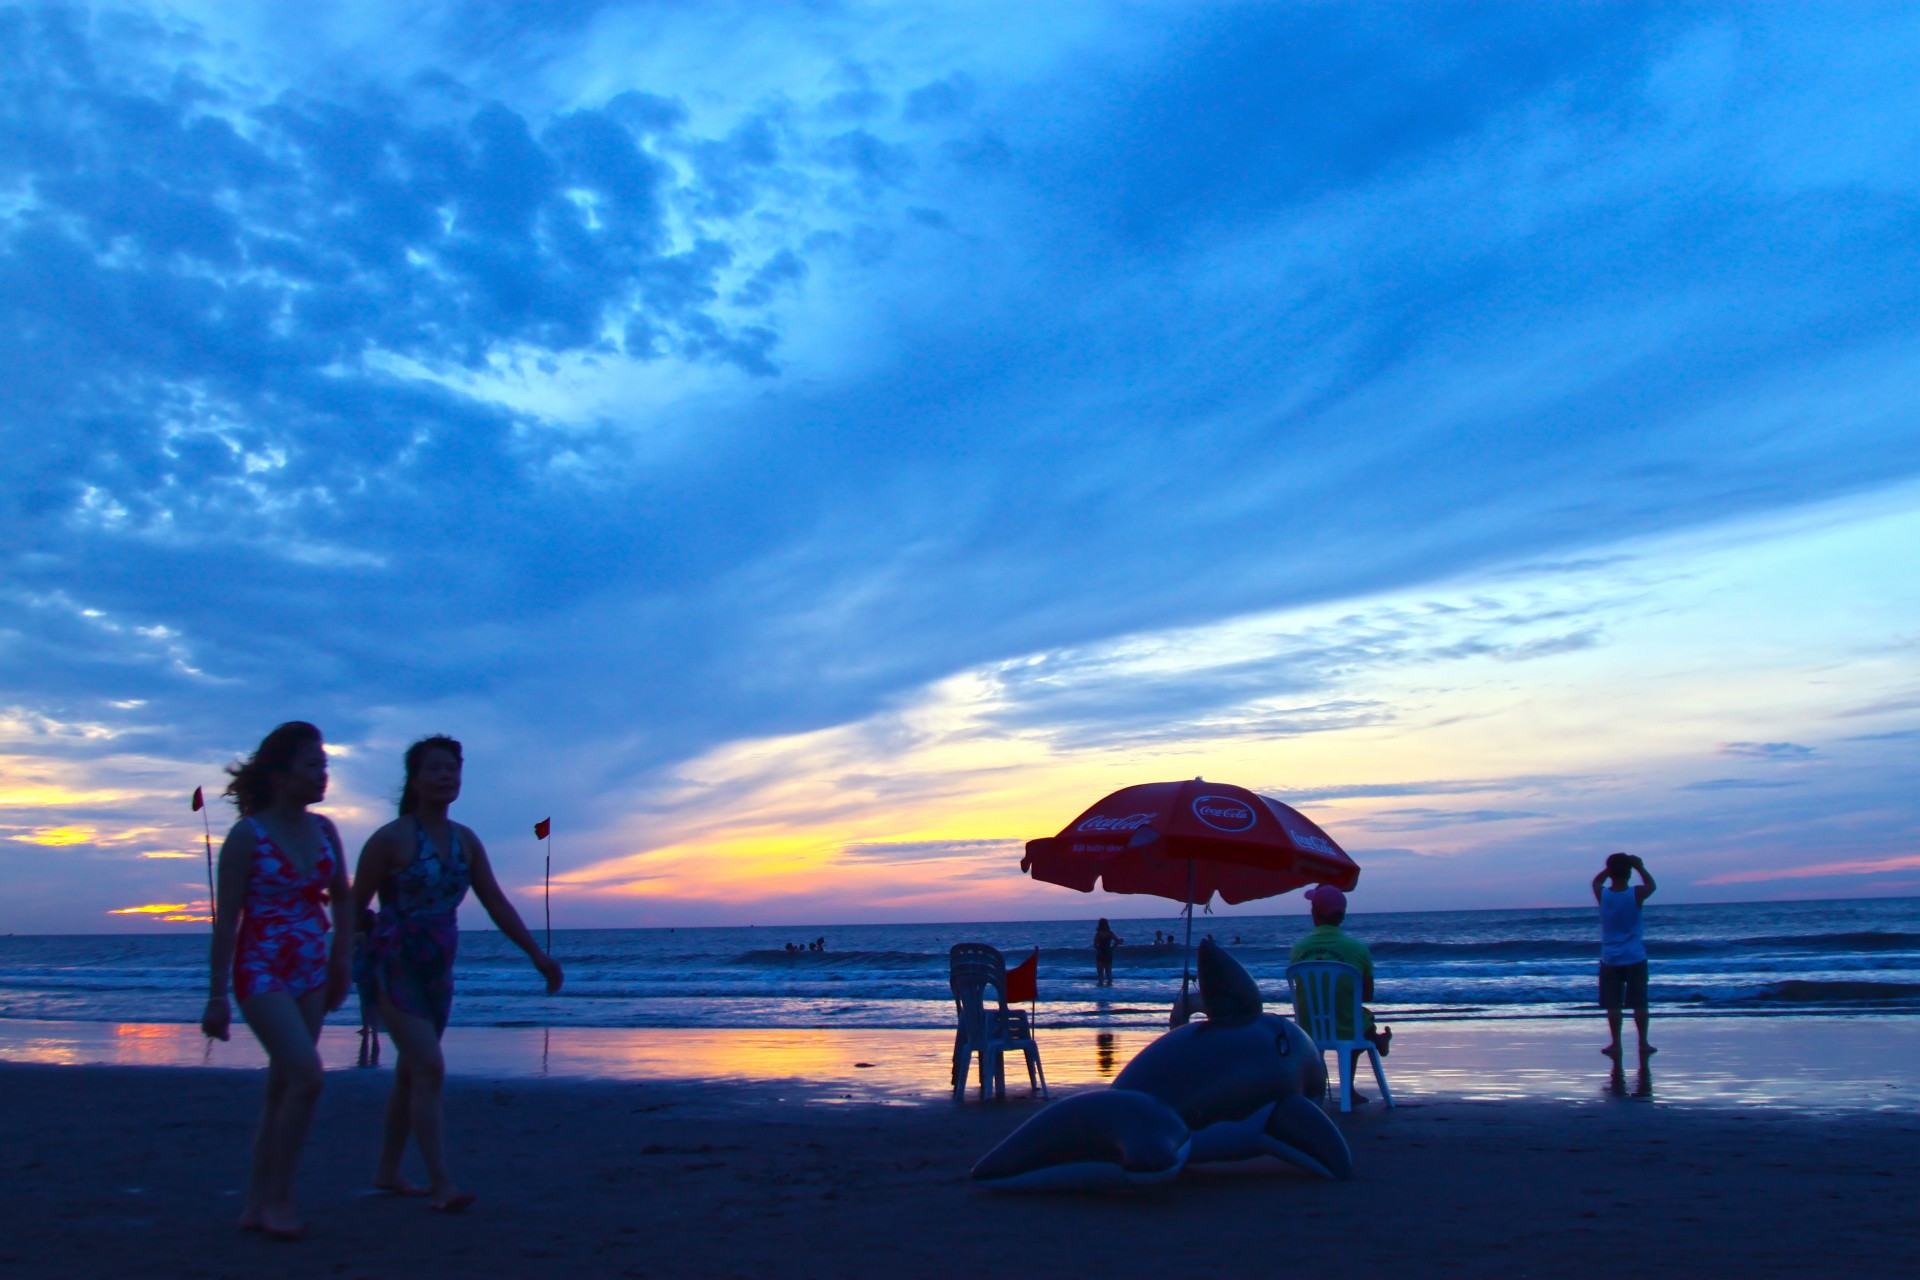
[(114, 1171)]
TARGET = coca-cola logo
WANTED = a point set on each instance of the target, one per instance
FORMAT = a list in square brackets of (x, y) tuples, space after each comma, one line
[(1223, 813), (1316, 843), (1132, 822)]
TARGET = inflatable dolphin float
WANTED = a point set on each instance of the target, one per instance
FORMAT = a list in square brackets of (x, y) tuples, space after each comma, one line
[(1244, 1083)]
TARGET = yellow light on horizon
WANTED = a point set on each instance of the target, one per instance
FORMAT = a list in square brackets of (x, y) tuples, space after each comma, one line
[(59, 837)]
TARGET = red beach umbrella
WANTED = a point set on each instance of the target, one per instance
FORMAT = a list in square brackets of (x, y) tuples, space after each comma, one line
[(1188, 841)]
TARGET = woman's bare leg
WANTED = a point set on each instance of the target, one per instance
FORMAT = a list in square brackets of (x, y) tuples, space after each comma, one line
[(288, 1030), (395, 1130), (257, 1179), (425, 1071)]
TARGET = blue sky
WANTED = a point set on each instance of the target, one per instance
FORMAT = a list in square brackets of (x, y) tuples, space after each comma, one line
[(804, 448)]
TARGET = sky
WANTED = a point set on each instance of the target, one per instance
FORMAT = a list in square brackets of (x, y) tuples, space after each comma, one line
[(808, 450)]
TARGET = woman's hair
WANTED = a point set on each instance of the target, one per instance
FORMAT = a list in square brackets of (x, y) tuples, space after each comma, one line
[(1103, 924), (415, 755), (251, 788)]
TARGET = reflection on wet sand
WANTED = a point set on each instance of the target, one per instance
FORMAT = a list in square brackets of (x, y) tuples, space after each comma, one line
[(1794, 1062), (1642, 1082)]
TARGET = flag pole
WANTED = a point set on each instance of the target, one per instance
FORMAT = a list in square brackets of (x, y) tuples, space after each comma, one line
[(543, 830), (213, 898)]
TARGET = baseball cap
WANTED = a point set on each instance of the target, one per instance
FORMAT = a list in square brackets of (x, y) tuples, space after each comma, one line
[(1326, 895)]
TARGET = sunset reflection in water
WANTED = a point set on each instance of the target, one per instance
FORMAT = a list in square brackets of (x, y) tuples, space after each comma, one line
[(1813, 1063)]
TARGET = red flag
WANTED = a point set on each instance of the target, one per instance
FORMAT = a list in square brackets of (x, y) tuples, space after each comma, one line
[(199, 801), (541, 828), (1023, 980)]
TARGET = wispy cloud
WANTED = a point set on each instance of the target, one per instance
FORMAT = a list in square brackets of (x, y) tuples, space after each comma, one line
[(1766, 750), (1818, 870)]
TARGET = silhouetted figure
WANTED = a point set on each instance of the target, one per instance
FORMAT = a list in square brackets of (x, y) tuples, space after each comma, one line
[(1623, 948), (281, 875), (420, 866), (368, 991), (1104, 941), (1328, 941)]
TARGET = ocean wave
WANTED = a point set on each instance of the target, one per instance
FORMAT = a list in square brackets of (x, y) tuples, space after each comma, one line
[(1871, 941), (1807, 991)]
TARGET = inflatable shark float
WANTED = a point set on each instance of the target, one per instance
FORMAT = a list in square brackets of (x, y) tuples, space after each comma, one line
[(1242, 1084)]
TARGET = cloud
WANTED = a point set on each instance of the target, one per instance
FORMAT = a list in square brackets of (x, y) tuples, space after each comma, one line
[(1766, 750), (609, 387), (1735, 784), (1426, 819), (1817, 870), (891, 852), (1390, 790)]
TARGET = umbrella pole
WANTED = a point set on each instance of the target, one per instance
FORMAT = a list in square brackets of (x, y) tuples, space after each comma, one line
[(1186, 967), (1186, 970)]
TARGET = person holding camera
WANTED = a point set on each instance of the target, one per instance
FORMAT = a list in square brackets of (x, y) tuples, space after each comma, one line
[(1623, 948)]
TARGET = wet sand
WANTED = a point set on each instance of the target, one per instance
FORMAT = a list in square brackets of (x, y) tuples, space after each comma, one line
[(1801, 1061), (116, 1171)]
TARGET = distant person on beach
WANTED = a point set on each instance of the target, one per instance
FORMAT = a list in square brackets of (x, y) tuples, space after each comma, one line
[(1104, 941), (1623, 948), (368, 990), (1328, 941), (279, 867), (420, 866)]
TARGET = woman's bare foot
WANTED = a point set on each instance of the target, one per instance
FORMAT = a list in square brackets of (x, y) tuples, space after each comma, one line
[(394, 1184), (250, 1218), (1611, 1051), (1647, 1051), (281, 1222), (452, 1200)]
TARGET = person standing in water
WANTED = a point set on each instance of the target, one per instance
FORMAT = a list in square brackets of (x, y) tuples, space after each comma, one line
[(368, 990), (280, 870), (1104, 941), (1623, 947), (420, 867)]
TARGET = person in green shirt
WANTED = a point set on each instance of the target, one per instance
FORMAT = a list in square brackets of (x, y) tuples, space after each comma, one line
[(1328, 941)]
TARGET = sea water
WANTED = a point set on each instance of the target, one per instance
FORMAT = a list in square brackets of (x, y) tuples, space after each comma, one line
[(1858, 956)]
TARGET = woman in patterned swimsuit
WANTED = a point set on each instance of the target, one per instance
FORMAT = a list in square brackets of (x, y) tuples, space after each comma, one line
[(420, 867), (280, 868)]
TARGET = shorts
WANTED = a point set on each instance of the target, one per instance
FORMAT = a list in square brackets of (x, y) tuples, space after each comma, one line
[(1623, 985)]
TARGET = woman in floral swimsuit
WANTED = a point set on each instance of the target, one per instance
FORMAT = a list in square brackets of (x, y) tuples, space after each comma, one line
[(280, 871), (420, 868)]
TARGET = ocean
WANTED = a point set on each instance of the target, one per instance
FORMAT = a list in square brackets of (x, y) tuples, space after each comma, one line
[(1858, 956)]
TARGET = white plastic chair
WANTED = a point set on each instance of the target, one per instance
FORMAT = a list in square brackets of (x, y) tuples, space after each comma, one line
[(1317, 996), (988, 1027)]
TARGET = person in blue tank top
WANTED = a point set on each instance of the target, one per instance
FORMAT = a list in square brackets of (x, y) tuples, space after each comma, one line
[(1623, 948)]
